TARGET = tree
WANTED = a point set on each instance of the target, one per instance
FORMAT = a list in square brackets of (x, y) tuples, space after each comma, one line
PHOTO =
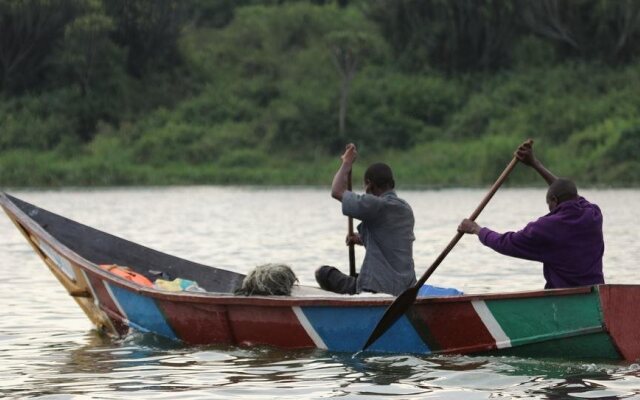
[(86, 47), (609, 30), (149, 29), (29, 30), (451, 35), (347, 50), (88, 58)]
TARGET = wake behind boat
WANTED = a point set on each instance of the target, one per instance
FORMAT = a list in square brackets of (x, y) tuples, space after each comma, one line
[(589, 322)]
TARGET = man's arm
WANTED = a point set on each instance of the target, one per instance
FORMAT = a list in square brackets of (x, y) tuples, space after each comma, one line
[(340, 180), (526, 244), (525, 155)]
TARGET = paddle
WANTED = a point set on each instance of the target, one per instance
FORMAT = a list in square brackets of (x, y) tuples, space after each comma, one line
[(352, 251), (408, 297)]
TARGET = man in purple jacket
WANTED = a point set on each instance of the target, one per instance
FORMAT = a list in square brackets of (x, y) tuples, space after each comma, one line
[(568, 240)]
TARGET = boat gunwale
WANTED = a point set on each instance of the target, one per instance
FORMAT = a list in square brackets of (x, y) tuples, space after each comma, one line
[(16, 214)]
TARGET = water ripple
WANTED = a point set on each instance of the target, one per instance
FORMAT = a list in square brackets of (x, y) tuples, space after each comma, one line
[(49, 351)]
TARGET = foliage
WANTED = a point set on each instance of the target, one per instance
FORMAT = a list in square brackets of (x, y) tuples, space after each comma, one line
[(103, 92), (86, 51), (484, 35), (29, 29), (606, 30), (149, 30), (452, 35)]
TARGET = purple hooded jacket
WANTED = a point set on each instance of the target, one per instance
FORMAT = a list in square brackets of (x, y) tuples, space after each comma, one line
[(568, 241)]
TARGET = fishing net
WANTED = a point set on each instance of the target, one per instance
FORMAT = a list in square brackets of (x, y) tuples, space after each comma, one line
[(268, 279)]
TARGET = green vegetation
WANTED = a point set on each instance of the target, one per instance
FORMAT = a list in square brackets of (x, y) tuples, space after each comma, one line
[(268, 92)]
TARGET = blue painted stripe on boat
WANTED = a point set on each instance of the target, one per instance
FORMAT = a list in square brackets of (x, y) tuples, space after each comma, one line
[(348, 328), (142, 312)]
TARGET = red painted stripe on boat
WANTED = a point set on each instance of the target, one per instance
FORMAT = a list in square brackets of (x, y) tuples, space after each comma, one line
[(622, 317), (198, 323), (451, 327), (276, 326)]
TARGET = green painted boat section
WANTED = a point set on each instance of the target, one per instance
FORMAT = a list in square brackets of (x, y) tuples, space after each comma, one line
[(590, 346), (538, 319)]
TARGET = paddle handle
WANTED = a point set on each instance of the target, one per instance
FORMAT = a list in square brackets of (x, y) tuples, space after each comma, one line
[(352, 250), (474, 215), (503, 177)]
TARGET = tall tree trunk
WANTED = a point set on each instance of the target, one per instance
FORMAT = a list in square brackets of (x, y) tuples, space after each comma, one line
[(344, 101)]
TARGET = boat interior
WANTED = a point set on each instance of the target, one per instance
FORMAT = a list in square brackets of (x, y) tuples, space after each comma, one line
[(99, 247), (102, 248)]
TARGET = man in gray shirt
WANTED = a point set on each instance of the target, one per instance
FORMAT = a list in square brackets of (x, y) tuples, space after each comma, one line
[(386, 232)]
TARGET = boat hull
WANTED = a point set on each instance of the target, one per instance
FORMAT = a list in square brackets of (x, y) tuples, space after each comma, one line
[(600, 322)]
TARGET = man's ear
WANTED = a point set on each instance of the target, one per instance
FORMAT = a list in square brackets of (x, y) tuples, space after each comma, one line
[(369, 186)]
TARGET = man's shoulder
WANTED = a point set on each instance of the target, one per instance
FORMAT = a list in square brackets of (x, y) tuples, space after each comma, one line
[(361, 206), (586, 203), (361, 198), (387, 201), (394, 205), (579, 205), (392, 197), (397, 200)]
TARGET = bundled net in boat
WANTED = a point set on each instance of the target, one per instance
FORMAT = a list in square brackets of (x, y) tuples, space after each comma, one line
[(268, 279)]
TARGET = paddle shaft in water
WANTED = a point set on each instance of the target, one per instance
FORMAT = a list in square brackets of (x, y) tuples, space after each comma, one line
[(352, 251), (408, 297)]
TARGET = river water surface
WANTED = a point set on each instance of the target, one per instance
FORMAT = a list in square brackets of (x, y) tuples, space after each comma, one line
[(49, 350)]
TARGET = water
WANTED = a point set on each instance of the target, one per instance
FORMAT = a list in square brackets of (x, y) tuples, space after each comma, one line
[(49, 350)]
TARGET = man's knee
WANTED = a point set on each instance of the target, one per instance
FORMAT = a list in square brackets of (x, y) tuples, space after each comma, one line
[(322, 276), (331, 279)]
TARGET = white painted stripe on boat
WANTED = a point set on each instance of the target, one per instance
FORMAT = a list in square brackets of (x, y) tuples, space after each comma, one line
[(494, 328), (90, 286), (304, 321), (115, 301)]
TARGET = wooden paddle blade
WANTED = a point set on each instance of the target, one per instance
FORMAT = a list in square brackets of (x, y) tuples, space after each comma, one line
[(396, 310)]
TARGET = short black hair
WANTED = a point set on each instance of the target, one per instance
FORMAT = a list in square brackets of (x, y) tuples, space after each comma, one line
[(380, 175), (563, 189)]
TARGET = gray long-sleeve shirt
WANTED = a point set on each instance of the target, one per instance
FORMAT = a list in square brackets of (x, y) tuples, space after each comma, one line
[(387, 234)]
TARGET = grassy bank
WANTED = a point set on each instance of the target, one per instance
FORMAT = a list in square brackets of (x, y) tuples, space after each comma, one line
[(433, 164)]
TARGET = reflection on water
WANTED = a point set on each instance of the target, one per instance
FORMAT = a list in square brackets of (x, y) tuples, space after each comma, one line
[(149, 367), (49, 350)]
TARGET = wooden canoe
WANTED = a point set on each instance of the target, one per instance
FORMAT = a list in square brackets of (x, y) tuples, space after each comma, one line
[(600, 322)]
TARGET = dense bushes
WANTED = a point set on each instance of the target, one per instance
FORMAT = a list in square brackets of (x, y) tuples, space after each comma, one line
[(485, 35), (249, 91)]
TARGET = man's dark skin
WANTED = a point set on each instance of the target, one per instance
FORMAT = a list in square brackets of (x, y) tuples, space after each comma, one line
[(559, 189)]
